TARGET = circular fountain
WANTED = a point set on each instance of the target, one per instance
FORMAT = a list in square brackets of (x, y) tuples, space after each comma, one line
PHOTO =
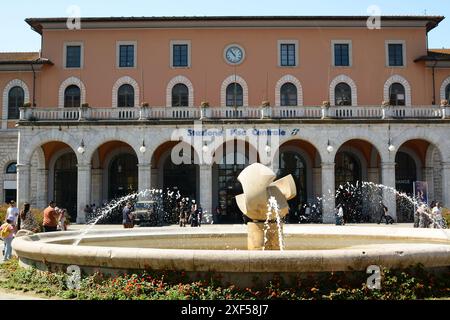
[(223, 250), (240, 253)]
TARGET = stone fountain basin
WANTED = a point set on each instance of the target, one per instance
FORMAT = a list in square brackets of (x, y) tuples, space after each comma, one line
[(309, 249)]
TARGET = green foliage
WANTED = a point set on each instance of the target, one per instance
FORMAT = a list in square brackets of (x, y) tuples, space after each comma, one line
[(413, 283)]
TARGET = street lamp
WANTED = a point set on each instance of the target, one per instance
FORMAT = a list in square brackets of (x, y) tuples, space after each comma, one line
[(330, 148), (391, 147), (81, 148), (142, 149), (205, 147)]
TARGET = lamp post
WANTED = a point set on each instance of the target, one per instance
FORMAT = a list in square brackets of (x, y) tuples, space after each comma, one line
[(81, 149), (330, 148)]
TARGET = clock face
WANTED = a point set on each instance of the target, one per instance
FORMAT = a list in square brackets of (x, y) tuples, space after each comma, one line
[(234, 54)]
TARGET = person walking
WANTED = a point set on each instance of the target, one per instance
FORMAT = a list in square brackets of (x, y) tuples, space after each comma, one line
[(182, 215), (27, 219), (12, 213), (424, 216), (200, 214), (62, 224), (127, 216), (339, 215), (194, 214), (436, 213), (384, 215), (7, 234), (51, 216)]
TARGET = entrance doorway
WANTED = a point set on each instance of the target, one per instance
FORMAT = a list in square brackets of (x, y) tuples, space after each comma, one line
[(182, 178), (123, 175), (66, 184)]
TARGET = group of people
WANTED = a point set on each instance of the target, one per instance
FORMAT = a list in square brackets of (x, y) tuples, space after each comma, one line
[(191, 213), (55, 219), (429, 217), (340, 217)]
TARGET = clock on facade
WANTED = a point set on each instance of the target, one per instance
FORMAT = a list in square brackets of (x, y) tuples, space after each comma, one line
[(234, 54)]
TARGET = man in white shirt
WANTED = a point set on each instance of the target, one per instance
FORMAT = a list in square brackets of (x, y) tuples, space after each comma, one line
[(12, 213)]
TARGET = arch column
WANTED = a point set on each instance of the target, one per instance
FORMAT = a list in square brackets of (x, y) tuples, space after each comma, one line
[(23, 184), (83, 190), (328, 193), (446, 183), (144, 176), (42, 188), (206, 188), (388, 180)]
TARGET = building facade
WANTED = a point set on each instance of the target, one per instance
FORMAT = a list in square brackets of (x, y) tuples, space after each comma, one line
[(101, 110)]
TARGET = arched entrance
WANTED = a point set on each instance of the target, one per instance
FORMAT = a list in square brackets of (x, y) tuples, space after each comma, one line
[(418, 173), (174, 174), (405, 178), (301, 159), (357, 173), (348, 185), (231, 158), (182, 178), (65, 183), (123, 175)]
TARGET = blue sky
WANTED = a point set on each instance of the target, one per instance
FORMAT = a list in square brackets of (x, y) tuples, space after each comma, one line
[(16, 35)]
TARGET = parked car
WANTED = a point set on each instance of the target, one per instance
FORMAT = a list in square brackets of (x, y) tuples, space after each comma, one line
[(146, 213)]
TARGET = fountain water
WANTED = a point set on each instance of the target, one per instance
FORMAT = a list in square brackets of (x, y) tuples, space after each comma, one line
[(163, 200)]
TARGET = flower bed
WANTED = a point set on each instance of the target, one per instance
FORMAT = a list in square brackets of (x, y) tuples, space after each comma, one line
[(414, 283)]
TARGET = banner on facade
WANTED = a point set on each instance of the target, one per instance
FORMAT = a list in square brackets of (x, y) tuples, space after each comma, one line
[(421, 191)]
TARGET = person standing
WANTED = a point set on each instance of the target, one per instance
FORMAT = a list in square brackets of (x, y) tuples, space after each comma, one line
[(7, 233), (127, 216), (339, 215), (182, 215), (384, 215), (12, 213), (438, 220), (62, 225), (424, 216), (28, 221), (200, 214), (51, 216)]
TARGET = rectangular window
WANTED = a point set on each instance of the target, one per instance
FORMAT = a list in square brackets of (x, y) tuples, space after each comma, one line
[(126, 56), (73, 56), (287, 55), (180, 55), (342, 55), (395, 54)]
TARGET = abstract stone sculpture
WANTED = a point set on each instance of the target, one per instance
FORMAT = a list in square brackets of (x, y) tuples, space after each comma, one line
[(259, 186)]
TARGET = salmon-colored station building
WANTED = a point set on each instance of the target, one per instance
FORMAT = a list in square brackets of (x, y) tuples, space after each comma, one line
[(93, 115)]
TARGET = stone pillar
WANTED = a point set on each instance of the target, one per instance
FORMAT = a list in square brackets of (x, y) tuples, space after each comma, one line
[(328, 193), (446, 184), (154, 178), (428, 173), (96, 185), (23, 184), (373, 175), (42, 188), (206, 189), (144, 176), (316, 183), (84, 190), (388, 180)]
